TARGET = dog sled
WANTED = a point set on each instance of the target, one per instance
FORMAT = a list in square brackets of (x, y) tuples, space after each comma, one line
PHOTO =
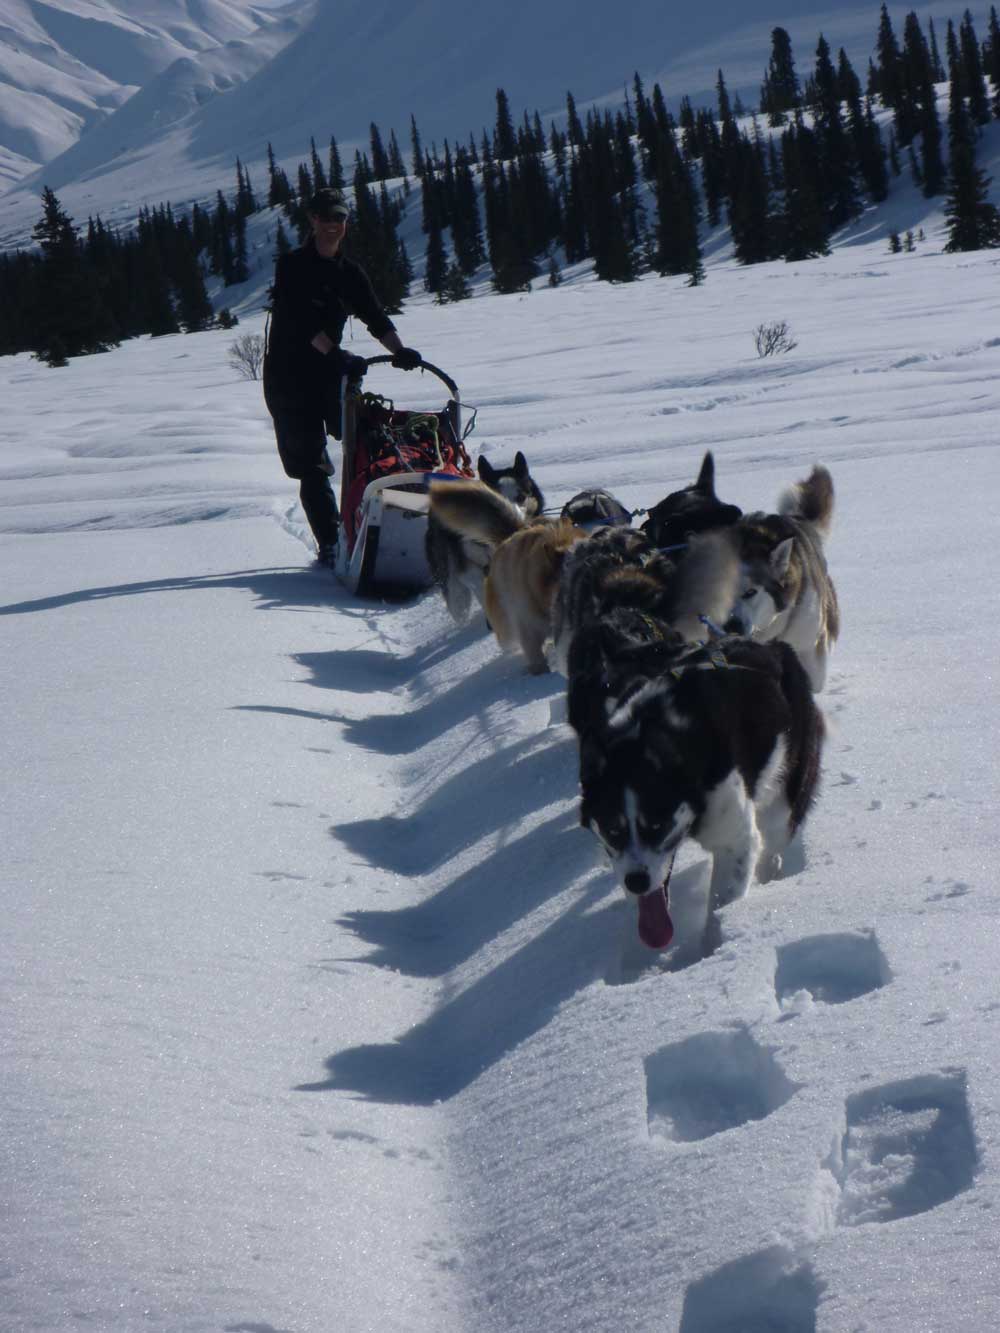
[(390, 457)]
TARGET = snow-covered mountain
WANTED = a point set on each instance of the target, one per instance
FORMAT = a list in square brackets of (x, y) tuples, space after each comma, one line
[(114, 109), (321, 1012), (68, 65)]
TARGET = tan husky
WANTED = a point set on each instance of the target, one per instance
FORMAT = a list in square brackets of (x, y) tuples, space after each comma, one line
[(525, 565)]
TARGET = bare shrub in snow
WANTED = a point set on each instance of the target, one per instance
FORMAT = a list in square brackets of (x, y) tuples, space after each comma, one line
[(246, 355), (770, 339)]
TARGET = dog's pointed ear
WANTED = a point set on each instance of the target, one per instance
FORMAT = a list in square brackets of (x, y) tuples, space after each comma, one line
[(485, 469), (520, 465), (781, 557), (706, 477)]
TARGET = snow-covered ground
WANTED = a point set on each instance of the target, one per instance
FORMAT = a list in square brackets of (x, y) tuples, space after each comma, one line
[(322, 1013)]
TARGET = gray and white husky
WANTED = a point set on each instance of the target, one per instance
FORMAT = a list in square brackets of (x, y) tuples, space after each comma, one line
[(785, 590), (722, 743)]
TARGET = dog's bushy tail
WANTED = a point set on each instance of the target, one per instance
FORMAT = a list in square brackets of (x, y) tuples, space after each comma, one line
[(810, 500), (805, 736), (473, 510)]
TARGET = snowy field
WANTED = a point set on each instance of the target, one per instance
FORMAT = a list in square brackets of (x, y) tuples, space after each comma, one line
[(322, 1013)]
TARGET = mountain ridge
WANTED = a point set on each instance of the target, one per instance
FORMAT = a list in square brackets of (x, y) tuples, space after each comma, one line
[(289, 76)]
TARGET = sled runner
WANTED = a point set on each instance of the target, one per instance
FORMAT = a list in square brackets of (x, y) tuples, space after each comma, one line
[(390, 457)]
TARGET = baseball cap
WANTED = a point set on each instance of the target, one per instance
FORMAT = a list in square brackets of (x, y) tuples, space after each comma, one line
[(329, 203)]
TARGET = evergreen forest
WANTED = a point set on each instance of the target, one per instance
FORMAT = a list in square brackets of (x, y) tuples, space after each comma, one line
[(632, 191)]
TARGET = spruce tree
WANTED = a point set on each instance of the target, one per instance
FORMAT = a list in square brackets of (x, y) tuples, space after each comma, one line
[(712, 170), (838, 163), (686, 119), (158, 316), (305, 184), (466, 228), (781, 82), (455, 286), (894, 164), (973, 222), (972, 70), (221, 250), (888, 77), (273, 187), (574, 217), (614, 258), (862, 127), (240, 268), (574, 130), (749, 208), (416, 149), (504, 140), (335, 174), (71, 311), (435, 260), (244, 204), (729, 136), (194, 309), (804, 225), (282, 244), (319, 181), (872, 157), (991, 58), (397, 168), (380, 158)]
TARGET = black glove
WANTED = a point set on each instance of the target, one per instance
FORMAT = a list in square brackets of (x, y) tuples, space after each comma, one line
[(353, 367), (407, 358)]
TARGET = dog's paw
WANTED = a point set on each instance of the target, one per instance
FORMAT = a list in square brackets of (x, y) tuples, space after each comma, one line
[(769, 867)]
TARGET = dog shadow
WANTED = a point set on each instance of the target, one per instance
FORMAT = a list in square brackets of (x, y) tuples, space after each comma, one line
[(473, 696), (478, 905), (525, 778), (361, 670), (441, 1057)]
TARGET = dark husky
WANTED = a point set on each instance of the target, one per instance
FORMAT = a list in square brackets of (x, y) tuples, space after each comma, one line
[(720, 743), (595, 509), (458, 564), (695, 508), (586, 572), (671, 537)]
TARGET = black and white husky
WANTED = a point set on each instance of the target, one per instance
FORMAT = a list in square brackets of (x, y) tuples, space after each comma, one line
[(719, 743), (458, 564)]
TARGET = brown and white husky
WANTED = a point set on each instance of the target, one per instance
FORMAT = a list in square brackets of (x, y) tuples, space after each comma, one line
[(525, 565)]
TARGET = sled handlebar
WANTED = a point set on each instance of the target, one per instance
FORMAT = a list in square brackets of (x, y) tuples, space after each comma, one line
[(424, 365)]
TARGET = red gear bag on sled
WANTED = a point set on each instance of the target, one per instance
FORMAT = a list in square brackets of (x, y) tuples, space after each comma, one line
[(390, 457)]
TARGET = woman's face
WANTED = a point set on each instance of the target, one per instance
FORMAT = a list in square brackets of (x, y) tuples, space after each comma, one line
[(328, 232)]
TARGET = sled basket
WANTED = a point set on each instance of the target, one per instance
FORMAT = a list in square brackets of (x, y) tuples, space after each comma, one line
[(390, 457)]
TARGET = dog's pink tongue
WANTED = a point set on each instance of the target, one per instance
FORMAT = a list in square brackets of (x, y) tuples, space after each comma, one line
[(656, 930)]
